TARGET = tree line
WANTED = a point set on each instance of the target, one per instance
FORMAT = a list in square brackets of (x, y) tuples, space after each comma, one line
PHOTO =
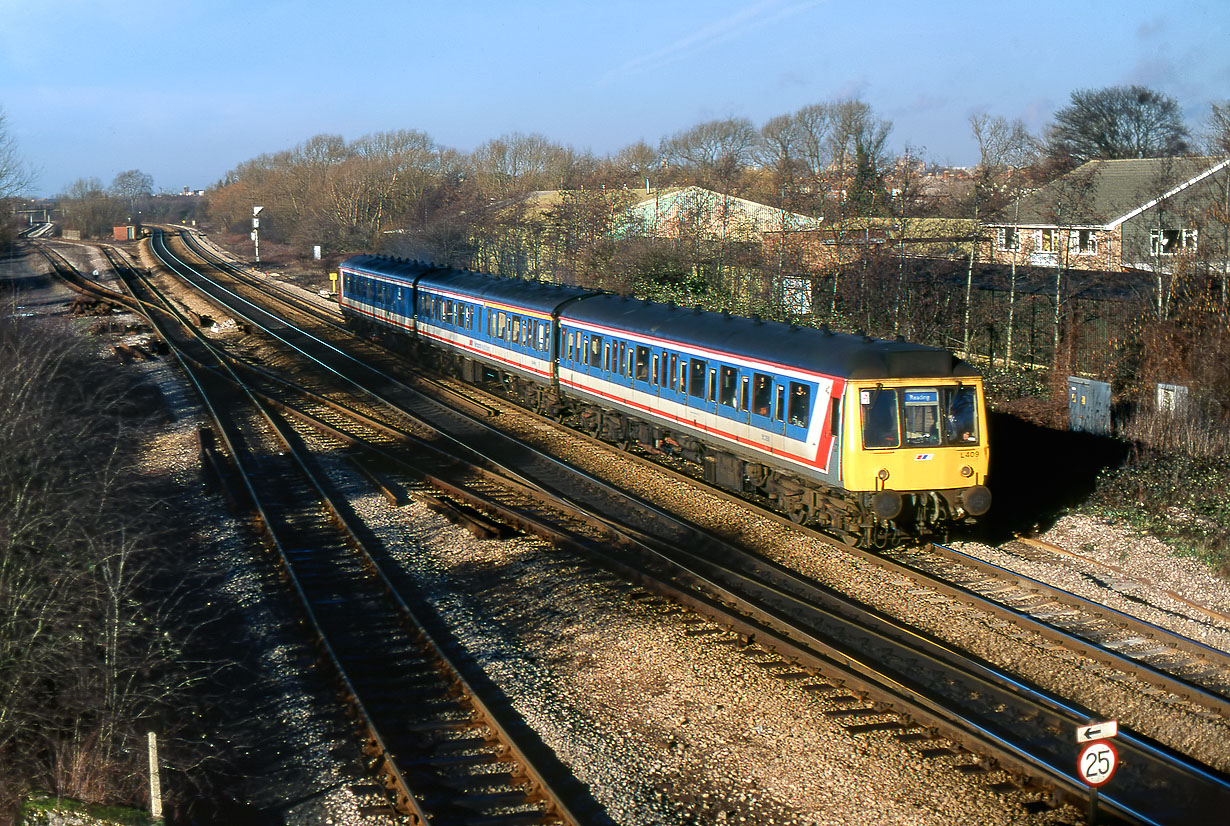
[(526, 206)]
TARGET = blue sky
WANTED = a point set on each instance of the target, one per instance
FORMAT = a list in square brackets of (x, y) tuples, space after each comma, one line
[(186, 91)]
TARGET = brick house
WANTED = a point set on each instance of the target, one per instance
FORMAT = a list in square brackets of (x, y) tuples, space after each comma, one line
[(1116, 216)]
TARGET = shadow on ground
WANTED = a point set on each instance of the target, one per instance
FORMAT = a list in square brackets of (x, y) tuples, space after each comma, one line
[(1037, 473)]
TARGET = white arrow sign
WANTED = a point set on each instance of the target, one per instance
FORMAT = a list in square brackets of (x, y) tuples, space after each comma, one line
[(257, 210), (1097, 731)]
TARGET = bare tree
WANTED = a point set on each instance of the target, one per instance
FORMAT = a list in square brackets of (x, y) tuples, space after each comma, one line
[(1005, 148), (811, 128), (636, 163), (516, 164), (87, 207), (1217, 129), (1117, 122), (715, 152), (858, 143), (15, 176), (131, 185)]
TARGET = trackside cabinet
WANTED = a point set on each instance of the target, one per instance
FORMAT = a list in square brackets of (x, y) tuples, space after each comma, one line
[(1088, 406)]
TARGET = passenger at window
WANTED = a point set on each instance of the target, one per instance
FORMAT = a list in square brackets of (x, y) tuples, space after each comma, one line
[(961, 417), (800, 404), (762, 390)]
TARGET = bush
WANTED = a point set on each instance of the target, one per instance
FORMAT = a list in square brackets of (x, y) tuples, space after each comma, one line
[(1178, 498), (84, 663)]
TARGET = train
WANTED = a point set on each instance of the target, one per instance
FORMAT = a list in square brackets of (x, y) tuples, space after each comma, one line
[(874, 441)]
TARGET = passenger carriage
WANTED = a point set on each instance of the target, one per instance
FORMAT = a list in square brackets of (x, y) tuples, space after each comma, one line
[(868, 438)]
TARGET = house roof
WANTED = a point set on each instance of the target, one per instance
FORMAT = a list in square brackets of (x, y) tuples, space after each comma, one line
[(674, 212), (1104, 194)]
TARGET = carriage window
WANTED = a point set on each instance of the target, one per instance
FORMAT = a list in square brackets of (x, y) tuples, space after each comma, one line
[(642, 365), (728, 385), (836, 418), (654, 372), (595, 351), (743, 394), (781, 402), (606, 357), (696, 381), (762, 394), (922, 416), (800, 404), (880, 428), (961, 417), (542, 336), (622, 358), (672, 372), (712, 384), (501, 325)]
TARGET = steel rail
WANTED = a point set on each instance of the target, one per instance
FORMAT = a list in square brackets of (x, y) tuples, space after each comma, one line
[(1014, 752), (1176, 684), (497, 721)]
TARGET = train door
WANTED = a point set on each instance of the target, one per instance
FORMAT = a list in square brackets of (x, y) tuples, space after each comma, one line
[(795, 402), (702, 386), (592, 355), (672, 383), (727, 394), (644, 363), (618, 366), (762, 399)]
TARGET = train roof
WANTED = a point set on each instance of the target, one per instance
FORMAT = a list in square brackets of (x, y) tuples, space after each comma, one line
[(397, 268), (533, 296), (805, 348)]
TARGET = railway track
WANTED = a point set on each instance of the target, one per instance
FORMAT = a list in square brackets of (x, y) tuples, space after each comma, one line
[(443, 740), (968, 700), (1166, 660)]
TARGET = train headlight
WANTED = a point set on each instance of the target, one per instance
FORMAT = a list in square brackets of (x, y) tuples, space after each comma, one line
[(967, 471), (883, 474)]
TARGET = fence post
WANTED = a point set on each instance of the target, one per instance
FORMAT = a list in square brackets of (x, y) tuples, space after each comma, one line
[(155, 784)]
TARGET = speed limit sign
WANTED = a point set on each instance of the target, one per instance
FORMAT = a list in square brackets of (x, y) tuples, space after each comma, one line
[(1097, 762)]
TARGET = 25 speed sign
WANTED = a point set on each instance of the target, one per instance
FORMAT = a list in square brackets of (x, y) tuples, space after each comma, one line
[(1097, 762)]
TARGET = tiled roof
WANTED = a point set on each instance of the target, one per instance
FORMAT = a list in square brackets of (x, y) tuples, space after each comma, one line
[(1104, 193)]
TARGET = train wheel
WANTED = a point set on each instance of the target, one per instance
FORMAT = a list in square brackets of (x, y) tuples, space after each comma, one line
[(799, 515)]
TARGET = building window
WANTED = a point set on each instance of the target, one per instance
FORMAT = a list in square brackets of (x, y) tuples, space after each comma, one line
[(1048, 240), (1084, 241), (1009, 238), (1170, 241)]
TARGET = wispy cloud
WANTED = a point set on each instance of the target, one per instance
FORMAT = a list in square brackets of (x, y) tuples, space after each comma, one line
[(756, 16)]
